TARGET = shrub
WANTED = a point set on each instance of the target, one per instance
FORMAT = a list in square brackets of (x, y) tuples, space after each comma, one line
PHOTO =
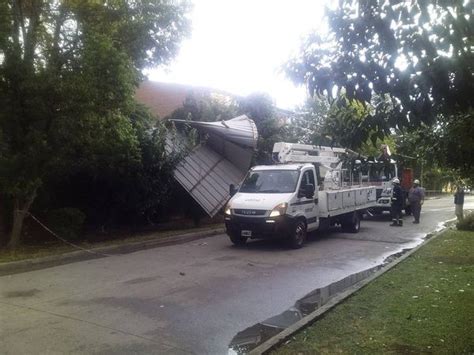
[(467, 224), (67, 223)]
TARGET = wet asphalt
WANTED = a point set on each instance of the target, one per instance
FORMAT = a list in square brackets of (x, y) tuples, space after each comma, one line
[(189, 298)]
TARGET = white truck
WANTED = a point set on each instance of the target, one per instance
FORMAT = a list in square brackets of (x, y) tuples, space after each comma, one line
[(380, 174), (308, 188)]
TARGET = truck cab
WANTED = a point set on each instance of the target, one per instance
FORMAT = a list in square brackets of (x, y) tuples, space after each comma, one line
[(274, 201), (380, 174)]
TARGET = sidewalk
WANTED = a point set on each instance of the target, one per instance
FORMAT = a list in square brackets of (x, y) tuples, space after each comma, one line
[(423, 305), (113, 247)]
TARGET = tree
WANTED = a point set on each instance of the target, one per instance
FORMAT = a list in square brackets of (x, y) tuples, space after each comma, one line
[(148, 187), (454, 144), (307, 124), (68, 72), (261, 109), (416, 56), (124, 193), (339, 122), (445, 156), (206, 107)]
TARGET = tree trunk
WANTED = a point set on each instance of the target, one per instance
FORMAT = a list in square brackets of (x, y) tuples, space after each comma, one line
[(3, 222), (20, 211)]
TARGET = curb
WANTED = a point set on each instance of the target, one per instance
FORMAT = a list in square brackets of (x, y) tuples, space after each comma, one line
[(16, 267), (334, 301)]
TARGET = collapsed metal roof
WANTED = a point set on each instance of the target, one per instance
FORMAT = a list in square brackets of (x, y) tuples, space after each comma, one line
[(223, 159)]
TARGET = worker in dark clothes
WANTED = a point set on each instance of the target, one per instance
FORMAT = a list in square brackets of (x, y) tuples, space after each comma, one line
[(458, 203), (416, 196), (397, 204)]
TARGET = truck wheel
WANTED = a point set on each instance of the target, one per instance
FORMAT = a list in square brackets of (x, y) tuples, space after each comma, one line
[(352, 224), (298, 236), (238, 240)]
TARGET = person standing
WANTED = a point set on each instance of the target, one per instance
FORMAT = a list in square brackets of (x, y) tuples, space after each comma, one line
[(416, 196), (397, 204), (458, 203)]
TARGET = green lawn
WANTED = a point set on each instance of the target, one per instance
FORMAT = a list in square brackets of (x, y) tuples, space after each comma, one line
[(424, 305)]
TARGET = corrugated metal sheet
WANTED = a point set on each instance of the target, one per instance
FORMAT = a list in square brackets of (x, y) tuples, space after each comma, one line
[(206, 176), (209, 169), (240, 130)]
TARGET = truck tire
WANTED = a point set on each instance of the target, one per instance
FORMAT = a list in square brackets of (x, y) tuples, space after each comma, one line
[(352, 223), (238, 240), (298, 235)]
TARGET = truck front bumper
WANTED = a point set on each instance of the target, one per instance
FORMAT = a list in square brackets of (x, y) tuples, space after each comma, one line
[(259, 227), (382, 204)]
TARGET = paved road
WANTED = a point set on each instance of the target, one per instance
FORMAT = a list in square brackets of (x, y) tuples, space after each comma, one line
[(188, 298)]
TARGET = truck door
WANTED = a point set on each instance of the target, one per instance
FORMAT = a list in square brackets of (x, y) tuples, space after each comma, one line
[(308, 206)]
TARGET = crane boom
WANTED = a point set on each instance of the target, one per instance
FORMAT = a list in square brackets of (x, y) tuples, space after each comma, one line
[(285, 153)]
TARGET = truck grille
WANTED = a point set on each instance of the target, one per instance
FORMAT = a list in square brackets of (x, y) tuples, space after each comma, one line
[(246, 212)]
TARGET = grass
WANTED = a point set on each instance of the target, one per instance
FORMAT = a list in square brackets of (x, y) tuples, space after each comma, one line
[(54, 247), (425, 305)]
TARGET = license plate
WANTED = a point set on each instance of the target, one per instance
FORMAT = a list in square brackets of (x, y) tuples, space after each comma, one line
[(246, 233)]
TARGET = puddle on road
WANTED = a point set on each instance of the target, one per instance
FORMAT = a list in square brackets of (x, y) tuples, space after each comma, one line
[(252, 337), (22, 293)]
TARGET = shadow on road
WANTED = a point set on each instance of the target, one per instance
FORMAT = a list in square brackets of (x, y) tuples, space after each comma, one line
[(271, 245)]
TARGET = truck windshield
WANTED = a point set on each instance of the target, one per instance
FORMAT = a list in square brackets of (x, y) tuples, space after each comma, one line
[(382, 172), (270, 181)]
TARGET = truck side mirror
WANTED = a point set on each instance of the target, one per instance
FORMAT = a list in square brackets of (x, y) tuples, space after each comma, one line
[(232, 190)]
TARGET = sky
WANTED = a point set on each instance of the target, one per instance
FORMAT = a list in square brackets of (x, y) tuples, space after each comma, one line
[(239, 46)]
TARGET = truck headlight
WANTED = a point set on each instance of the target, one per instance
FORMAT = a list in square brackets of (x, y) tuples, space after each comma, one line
[(227, 210), (279, 210)]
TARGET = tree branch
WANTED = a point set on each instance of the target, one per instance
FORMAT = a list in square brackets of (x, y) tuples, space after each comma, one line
[(32, 32)]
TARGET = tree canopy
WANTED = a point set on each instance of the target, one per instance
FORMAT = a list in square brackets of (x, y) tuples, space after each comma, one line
[(411, 61), (68, 73), (418, 52)]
